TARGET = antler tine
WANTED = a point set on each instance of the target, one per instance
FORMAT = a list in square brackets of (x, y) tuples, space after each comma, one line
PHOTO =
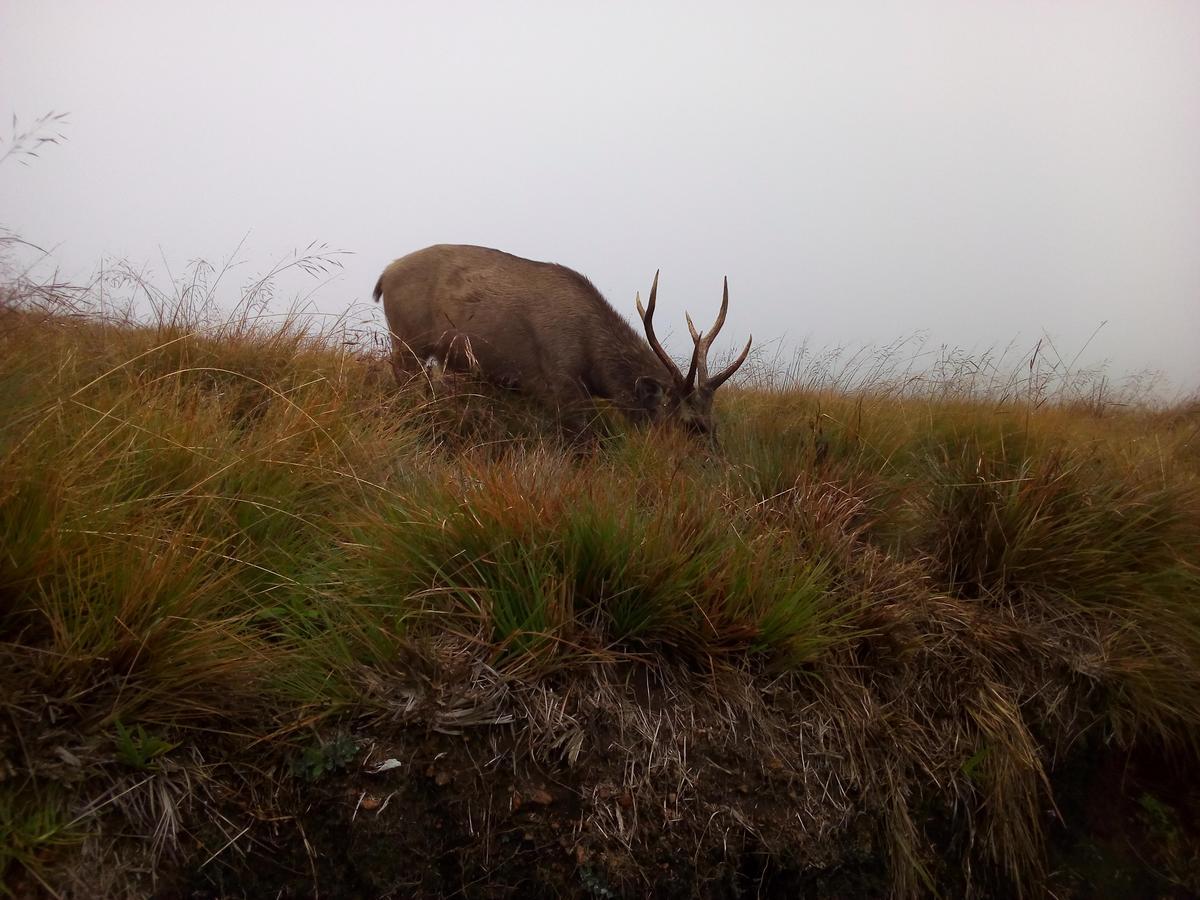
[(637, 298), (720, 378), (721, 315), (648, 323), (704, 341), (697, 367), (699, 356), (698, 364)]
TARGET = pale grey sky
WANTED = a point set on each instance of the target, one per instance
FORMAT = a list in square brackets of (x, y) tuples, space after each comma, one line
[(984, 171)]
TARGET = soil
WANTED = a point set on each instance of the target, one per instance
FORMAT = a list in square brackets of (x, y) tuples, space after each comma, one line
[(447, 823), (444, 824), (1129, 827)]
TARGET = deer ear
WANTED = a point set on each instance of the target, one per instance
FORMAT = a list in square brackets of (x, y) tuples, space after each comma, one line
[(648, 391)]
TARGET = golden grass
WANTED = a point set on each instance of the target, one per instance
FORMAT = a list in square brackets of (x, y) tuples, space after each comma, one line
[(220, 535)]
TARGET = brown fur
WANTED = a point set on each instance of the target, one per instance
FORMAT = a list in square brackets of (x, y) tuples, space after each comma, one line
[(538, 327)]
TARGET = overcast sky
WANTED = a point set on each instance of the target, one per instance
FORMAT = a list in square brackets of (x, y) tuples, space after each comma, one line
[(861, 171)]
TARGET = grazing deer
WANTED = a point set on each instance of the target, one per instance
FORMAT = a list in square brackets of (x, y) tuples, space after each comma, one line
[(545, 330)]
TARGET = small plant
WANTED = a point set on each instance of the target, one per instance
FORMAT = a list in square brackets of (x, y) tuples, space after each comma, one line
[(1160, 819), (322, 758), (139, 749), (595, 883), (31, 830), (974, 765)]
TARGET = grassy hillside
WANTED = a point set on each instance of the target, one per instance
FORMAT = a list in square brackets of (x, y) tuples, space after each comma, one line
[(883, 642)]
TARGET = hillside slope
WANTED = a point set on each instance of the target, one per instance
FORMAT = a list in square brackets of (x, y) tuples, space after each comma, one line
[(879, 644)]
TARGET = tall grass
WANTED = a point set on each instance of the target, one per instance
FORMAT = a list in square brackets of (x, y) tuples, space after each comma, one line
[(219, 533)]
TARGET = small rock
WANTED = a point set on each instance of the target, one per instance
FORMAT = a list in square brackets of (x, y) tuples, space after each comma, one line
[(541, 797), (369, 802), (68, 757)]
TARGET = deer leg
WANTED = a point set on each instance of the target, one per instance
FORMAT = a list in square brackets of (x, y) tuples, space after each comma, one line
[(570, 401), (406, 365)]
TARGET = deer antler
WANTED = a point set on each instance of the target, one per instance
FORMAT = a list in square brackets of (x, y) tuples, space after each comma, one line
[(704, 341), (647, 315), (699, 366)]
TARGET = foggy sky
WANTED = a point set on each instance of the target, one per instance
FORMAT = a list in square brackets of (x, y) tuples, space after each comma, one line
[(981, 171)]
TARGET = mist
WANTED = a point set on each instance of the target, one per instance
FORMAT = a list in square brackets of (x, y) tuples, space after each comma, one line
[(981, 174)]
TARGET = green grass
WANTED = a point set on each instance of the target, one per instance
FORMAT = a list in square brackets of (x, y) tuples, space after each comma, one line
[(219, 538), (562, 561)]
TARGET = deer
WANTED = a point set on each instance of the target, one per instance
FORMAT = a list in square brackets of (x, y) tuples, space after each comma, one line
[(545, 330)]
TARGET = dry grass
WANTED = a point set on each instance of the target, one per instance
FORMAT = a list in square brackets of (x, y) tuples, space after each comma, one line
[(884, 601)]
